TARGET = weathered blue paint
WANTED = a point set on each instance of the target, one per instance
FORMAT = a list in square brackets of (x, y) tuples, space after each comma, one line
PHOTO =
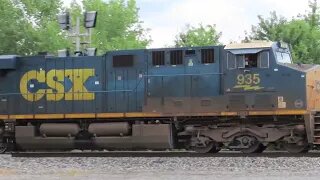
[(191, 87)]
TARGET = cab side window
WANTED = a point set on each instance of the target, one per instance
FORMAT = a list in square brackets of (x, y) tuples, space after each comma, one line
[(241, 61), (251, 60), (264, 59), (258, 60), (231, 61)]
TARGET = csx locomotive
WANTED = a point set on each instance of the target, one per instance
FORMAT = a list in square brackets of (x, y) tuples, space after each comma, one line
[(241, 97)]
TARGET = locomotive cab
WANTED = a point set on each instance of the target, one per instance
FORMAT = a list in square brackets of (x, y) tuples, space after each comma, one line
[(248, 73), (258, 76)]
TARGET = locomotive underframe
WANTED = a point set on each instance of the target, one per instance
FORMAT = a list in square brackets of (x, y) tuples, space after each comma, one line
[(203, 134)]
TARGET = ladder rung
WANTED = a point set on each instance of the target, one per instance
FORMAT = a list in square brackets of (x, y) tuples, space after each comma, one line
[(316, 137)]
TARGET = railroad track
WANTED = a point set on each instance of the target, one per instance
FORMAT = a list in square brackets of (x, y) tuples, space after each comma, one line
[(159, 154)]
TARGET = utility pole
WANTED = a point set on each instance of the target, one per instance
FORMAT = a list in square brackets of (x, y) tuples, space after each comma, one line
[(90, 19), (77, 35)]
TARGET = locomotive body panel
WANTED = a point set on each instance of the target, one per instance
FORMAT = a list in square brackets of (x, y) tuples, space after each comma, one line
[(160, 82), (188, 87)]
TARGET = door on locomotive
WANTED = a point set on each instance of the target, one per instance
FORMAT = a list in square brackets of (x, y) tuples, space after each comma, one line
[(124, 81), (246, 76)]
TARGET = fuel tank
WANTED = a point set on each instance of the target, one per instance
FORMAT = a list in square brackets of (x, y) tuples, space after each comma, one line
[(59, 129), (110, 129)]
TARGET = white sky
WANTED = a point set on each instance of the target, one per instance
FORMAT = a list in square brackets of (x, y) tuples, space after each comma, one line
[(166, 18)]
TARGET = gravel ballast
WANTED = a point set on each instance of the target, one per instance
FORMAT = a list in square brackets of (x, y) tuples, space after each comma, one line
[(174, 168)]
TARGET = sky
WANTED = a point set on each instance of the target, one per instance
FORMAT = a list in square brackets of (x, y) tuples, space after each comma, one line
[(166, 18)]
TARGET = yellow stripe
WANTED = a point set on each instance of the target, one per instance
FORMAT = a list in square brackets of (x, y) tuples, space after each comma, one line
[(110, 115), (80, 116), (49, 116), (21, 117), (4, 117), (142, 115), (278, 112), (228, 114)]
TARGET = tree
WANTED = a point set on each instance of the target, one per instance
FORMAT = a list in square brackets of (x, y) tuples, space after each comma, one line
[(198, 36), (301, 33), (11, 18), (47, 35), (30, 26), (268, 29), (313, 17), (40, 11), (118, 25)]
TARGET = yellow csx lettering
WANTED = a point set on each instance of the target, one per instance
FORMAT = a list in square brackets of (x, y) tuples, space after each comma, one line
[(54, 79)]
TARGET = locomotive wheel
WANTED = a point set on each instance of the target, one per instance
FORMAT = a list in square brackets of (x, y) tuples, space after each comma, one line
[(210, 147), (257, 147), (295, 148), (248, 144), (3, 148), (261, 149), (216, 148)]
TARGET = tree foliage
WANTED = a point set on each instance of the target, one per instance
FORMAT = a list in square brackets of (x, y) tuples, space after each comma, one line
[(313, 16), (198, 36), (30, 26), (118, 25), (302, 32), (270, 28), (13, 29)]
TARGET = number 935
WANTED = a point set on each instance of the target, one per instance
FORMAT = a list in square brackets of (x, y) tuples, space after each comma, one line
[(248, 79)]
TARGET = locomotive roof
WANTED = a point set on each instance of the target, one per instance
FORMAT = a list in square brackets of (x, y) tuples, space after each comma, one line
[(250, 45)]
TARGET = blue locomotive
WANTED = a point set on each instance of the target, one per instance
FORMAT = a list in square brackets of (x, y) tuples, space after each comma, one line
[(241, 96)]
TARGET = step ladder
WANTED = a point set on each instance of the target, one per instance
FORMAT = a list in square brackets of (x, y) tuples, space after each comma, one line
[(316, 135)]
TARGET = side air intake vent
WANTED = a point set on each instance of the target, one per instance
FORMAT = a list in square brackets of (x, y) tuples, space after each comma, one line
[(123, 61), (176, 57), (158, 58)]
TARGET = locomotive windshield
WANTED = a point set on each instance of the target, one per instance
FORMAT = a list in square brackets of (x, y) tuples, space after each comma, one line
[(284, 57), (283, 53)]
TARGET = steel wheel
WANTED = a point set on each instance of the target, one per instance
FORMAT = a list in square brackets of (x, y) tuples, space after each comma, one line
[(295, 148), (257, 147), (3, 148), (248, 144), (261, 149), (215, 149), (210, 147)]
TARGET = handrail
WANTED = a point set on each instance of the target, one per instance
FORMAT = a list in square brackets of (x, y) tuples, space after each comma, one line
[(173, 75), (6, 94)]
